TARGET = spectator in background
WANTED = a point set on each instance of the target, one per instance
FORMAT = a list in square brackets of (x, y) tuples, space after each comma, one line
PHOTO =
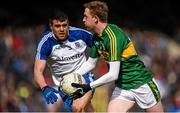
[(175, 106)]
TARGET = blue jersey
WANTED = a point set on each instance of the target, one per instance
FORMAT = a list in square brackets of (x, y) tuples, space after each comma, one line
[(64, 57)]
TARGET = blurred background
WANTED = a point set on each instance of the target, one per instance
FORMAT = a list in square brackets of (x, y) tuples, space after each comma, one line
[(154, 27)]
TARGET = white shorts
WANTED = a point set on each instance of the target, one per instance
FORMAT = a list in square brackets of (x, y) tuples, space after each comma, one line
[(145, 96)]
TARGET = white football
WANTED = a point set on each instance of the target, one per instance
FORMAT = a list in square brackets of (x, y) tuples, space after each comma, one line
[(66, 81)]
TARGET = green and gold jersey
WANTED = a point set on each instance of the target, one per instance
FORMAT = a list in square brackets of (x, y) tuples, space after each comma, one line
[(115, 45)]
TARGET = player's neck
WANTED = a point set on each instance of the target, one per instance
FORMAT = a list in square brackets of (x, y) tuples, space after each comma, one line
[(100, 27)]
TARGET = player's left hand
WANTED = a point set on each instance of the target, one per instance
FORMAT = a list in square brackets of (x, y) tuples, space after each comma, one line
[(84, 88)]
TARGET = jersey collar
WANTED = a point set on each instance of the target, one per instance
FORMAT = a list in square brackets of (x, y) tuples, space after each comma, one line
[(103, 32)]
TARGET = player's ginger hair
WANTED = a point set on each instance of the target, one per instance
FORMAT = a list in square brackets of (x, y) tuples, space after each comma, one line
[(99, 9)]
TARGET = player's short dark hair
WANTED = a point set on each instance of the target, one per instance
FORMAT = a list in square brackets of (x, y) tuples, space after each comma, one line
[(57, 15)]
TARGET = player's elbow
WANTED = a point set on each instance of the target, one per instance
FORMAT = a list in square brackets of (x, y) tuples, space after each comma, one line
[(114, 76), (92, 66), (114, 69), (92, 62)]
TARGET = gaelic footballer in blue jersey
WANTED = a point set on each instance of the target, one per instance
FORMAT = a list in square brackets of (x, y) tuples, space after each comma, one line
[(62, 48)]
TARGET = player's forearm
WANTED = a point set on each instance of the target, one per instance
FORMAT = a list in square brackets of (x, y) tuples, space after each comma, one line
[(87, 66), (88, 97), (40, 80), (39, 67), (84, 100), (80, 104), (112, 75)]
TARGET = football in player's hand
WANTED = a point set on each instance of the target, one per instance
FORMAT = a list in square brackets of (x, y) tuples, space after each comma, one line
[(67, 80)]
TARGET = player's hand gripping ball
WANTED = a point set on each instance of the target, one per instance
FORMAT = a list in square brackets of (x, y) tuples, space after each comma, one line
[(66, 87)]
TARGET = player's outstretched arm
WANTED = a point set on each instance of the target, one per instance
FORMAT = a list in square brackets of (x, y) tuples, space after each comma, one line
[(104, 79)]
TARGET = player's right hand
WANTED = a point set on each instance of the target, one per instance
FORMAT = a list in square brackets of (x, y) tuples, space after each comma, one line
[(84, 88), (77, 94), (50, 94)]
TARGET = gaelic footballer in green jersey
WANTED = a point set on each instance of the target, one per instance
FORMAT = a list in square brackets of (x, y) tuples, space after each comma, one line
[(113, 45), (133, 82)]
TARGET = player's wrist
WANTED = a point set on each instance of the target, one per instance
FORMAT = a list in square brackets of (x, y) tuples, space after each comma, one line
[(90, 86), (43, 88)]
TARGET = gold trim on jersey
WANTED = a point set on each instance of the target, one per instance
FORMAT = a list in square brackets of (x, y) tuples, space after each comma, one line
[(129, 51), (112, 38)]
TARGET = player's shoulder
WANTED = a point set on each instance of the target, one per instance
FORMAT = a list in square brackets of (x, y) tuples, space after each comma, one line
[(117, 30), (73, 29), (115, 27), (47, 35), (46, 38)]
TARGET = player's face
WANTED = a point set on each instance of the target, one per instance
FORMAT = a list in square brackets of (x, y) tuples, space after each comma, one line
[(60, 29), (89, 20)]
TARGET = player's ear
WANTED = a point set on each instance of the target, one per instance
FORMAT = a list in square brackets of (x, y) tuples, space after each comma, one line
[(96, 19), (68, 22), (50, 26)]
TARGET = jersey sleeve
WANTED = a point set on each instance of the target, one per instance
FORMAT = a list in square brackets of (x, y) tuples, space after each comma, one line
[(87, 37), (43, 51)]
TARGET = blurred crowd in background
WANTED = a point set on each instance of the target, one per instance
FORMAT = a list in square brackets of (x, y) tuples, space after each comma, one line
[(19, 92), (153, 27)]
